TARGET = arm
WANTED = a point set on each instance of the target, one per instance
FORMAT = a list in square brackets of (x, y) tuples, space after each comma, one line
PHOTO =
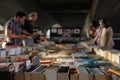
[(25, 28), (98, 31), (95, 39), (27, 33), (110, 34), (9, 29), (11, 35), (87, 34)]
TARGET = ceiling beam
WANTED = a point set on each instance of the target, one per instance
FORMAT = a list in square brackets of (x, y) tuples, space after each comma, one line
[(67, 11)]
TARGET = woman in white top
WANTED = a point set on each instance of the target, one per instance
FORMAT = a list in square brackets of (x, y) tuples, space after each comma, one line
[(106, 40)]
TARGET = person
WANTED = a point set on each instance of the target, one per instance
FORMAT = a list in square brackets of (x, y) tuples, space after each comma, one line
[(28, 25), (13, 30), (96, 33), (106, 40), (34, 58)]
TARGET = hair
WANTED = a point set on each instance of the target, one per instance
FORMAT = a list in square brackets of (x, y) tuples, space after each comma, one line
[(94, 24), (33, 53), (32, 14), (105, 22), (20, 14)]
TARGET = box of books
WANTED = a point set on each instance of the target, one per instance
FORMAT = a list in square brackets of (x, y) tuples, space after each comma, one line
[(83, 73), (51, 73), (74, 74), (99, 75), (63, 73)]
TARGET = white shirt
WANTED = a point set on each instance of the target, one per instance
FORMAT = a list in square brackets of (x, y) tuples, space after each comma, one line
[(106, 39)]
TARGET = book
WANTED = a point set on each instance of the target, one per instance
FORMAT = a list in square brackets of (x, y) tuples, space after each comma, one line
[(115, 71)]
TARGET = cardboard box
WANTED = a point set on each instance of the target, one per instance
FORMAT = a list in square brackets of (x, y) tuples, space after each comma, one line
[(63, 73), (83, 74), (118, 78), (51, 73), (27, 76), (38, 74), (35, 74), (90, 72), (114, 77), (99, 75), (74, 74), (19, 76)]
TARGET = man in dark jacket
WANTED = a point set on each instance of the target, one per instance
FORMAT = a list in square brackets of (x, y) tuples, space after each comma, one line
[(28, 25)]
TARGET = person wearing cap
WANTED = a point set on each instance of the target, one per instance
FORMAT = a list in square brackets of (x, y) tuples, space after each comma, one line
[(106, 38), (13, 30), (96, 33)]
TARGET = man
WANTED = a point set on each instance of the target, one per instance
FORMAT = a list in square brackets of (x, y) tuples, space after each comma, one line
[(13, 30), (28, 25)]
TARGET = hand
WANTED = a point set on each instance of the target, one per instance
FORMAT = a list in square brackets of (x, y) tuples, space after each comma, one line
[(22, 37), (34, 35), (42, 39), (89, 42)]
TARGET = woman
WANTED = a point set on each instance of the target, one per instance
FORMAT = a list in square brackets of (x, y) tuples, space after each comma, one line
[(106, 40), (96, 33)]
